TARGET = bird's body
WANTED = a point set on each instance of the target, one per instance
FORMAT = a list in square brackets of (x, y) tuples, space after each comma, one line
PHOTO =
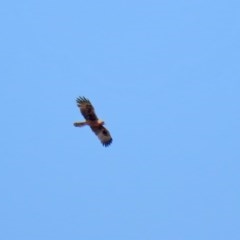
[(87, 110)]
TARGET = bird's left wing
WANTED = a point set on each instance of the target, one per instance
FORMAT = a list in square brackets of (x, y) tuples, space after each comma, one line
[(103, 135)]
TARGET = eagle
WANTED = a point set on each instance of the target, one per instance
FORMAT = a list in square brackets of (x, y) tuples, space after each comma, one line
[(88, 112)]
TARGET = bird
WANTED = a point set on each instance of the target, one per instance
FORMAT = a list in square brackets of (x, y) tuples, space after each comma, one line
[(91, 120)]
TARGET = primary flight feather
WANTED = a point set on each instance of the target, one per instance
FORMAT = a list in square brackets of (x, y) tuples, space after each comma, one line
[(88, 112)]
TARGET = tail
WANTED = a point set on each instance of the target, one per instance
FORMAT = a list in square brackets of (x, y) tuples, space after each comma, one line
[(79, 124)]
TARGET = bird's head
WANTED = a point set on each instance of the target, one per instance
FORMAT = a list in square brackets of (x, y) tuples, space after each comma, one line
[(101, 122)]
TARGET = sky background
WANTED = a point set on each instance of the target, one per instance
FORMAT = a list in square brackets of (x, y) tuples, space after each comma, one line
[(164, 75)]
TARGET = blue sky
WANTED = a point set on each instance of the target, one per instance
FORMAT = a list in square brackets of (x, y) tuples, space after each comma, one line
[(164, 75)]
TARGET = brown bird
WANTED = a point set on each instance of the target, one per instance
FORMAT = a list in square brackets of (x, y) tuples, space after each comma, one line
[(88, 112)]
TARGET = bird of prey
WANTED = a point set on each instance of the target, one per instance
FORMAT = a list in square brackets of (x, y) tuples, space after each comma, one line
[(88, 112)]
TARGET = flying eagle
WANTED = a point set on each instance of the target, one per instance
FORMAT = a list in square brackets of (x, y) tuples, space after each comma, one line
[(87, 110)]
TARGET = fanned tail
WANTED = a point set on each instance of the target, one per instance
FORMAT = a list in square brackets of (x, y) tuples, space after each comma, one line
[(79, 124)]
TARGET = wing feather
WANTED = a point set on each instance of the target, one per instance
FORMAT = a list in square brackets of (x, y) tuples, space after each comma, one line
[(103, 134), (86, 108)]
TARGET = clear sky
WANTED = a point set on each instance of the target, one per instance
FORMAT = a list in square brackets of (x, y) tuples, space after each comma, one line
[(165, 77)]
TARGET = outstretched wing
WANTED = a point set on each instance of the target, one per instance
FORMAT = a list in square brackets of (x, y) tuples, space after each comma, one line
[(86, 109), (103, 135)]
